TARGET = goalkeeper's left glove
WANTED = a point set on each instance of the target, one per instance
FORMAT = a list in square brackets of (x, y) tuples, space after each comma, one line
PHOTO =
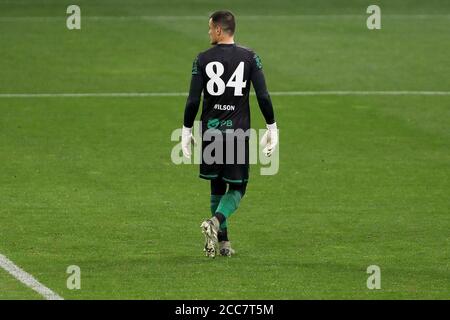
[(186, 139), (270, 139)]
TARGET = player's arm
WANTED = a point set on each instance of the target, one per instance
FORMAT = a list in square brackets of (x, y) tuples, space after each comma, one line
[(270, 138), (191, 108)]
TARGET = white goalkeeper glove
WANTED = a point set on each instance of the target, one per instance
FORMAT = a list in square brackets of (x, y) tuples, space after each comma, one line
[(186, 139), (270, 139)]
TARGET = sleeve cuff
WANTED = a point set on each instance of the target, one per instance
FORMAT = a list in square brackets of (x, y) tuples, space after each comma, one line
[(272, 126), (186, 130)]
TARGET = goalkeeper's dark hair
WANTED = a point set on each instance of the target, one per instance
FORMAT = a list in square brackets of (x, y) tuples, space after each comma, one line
[(225, 19)]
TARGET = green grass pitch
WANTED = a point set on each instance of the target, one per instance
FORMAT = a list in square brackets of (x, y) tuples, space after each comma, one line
[(363, 180)]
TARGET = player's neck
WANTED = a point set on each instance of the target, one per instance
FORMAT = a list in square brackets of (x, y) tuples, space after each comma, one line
[(226, 41)]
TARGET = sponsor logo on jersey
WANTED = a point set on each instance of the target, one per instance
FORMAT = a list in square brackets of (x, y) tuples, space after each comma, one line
[(213, 123), (216, 123)]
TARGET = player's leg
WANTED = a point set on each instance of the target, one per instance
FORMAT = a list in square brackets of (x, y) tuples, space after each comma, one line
[(229, 202), (218, 189), (210, 227), (236, 174), (227, 206)]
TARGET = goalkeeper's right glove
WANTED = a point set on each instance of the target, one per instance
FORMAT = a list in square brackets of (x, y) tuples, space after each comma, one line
[(186, 139)]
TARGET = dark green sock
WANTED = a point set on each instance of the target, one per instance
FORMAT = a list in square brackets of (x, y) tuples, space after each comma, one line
[(229, 203), (215, 200)]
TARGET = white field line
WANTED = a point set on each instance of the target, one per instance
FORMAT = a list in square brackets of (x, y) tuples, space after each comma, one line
[(27, 279), (203, 17), (184, 94)]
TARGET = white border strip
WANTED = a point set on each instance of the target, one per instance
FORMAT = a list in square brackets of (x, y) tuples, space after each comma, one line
[(27, 279), (184, 94)]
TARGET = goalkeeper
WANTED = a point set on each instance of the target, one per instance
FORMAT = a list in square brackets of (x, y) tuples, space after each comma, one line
[(223, 73)]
